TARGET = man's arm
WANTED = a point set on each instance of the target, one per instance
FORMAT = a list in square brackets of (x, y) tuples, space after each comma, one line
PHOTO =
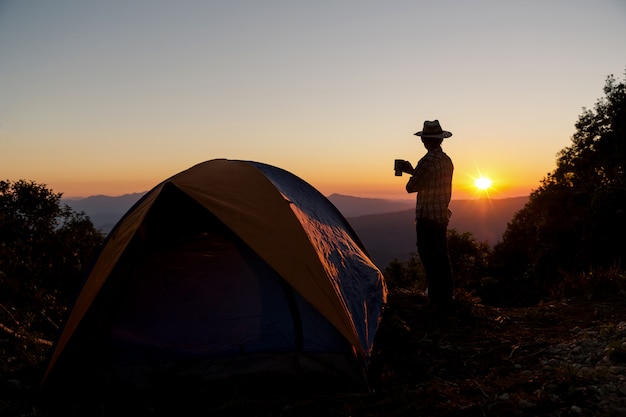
[(419, 176)]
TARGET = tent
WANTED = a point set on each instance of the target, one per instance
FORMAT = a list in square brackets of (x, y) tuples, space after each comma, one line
[(227, 269)]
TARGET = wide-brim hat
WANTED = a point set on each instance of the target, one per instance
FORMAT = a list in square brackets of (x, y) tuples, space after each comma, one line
[(433, 130)]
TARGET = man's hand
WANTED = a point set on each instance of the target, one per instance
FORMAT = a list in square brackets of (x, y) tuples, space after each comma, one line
[(407, 168)]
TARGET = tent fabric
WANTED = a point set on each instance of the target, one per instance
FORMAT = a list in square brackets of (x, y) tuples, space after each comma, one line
[(337, 245), (228, 259)]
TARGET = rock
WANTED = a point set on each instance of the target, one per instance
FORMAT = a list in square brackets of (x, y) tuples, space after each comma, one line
[(14, 383), (526, 404), (593, 389), (617, 412)]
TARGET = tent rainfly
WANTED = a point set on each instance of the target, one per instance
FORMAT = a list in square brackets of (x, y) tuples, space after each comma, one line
[(228, 268)]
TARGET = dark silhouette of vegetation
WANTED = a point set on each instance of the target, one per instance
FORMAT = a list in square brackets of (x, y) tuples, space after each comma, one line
[(45, 248), (574, 223), (468, 257)]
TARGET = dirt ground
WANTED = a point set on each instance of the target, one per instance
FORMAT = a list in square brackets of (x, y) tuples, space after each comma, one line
[(475, 361)]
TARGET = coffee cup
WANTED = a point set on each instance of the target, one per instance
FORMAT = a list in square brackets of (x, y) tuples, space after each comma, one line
[(398, 164)]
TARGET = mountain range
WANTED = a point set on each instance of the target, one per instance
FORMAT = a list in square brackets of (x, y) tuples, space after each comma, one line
[(104, 211), (389, 236), (384, 226)]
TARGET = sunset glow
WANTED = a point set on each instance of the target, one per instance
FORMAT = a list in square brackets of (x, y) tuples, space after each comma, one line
[(483, 183), (312, 88)]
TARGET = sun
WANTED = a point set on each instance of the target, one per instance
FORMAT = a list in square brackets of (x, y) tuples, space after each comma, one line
[(483, 183), (480, 184)]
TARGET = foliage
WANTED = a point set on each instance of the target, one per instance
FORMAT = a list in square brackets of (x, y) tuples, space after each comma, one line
[(44, 250), (405, 276), (468, 259), (575, 220), (597, 284)]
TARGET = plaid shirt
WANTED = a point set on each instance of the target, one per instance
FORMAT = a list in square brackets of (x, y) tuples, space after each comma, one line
[(432, 181)]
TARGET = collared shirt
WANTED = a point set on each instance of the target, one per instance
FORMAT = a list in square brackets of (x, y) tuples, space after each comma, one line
[(432, 181)]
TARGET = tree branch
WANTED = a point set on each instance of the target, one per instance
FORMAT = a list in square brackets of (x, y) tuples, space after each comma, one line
[(19, 336)]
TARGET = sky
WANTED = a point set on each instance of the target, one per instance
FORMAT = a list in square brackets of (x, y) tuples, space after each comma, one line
[(113, 97)]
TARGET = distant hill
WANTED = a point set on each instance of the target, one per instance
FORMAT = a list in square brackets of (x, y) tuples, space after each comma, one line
[(104, 211), (384, 226), (359, 206), (390, 236), (485, 218)]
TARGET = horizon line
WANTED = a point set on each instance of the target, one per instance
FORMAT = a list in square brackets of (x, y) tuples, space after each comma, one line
[(411, 198)]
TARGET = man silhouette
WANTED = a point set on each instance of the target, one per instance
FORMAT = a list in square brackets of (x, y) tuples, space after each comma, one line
[(432, 181)]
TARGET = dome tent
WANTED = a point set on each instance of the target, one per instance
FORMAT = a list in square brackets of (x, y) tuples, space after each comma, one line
[(228, 268)]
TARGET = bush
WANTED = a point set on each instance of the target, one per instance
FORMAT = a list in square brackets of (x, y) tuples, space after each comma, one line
[(575, 221), (598, 284), (408, 276), (468, 259), (45, 248)]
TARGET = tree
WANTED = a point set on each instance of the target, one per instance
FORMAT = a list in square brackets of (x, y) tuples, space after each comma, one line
[(575, 220), (468, 259), (405, 275), (45, 248)]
